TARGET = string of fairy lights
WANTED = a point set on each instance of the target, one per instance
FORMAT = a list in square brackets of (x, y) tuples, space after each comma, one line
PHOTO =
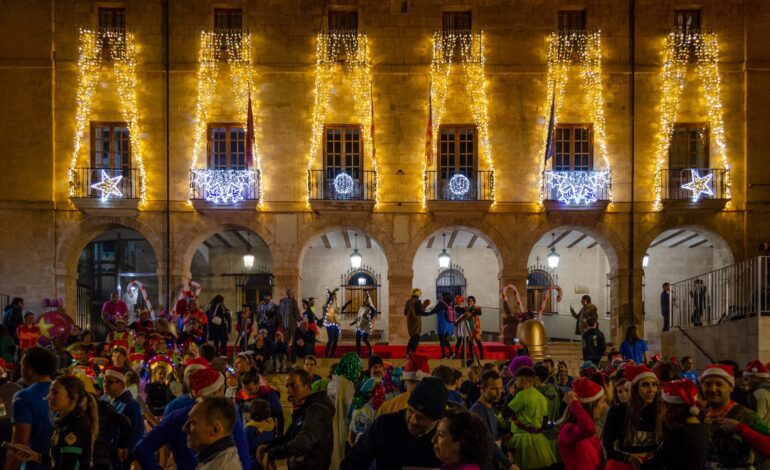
[(466, 48), (235, 46), (122, 48), (583, 48), (351, 48), (676, 53)]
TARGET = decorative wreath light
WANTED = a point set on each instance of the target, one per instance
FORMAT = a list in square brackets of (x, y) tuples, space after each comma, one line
[(343, 184), (459, 185)]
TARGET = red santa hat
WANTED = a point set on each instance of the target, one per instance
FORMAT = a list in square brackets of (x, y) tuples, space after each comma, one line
[(723, 371), (195, 364), (635, 373), (756, 369), (587, 390), (682, 392), (416, 367), (115, 372), (204, 382), (122, 343)]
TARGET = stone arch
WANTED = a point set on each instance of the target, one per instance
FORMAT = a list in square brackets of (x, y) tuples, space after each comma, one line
[(74, 239), (184, 256), (709, 231), (497, 242), (608, 240), (383, 240)]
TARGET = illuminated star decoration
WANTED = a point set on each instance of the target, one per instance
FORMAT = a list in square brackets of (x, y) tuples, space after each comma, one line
[(45, 327), (699, 185), (224, 186), (578, 187), (109, 186)]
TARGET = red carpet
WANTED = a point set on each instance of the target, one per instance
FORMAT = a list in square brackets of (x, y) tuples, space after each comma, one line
[(492, 350)]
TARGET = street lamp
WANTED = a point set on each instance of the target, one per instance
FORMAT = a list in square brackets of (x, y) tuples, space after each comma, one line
[(248, 258), (355, 257), (646, 260), (443, 258), (553, 256)]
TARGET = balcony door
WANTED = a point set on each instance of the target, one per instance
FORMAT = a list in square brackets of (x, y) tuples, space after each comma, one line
[(227, 147), (457, 156), (343, 162), (110, 155), (573, 147), (689, 149)]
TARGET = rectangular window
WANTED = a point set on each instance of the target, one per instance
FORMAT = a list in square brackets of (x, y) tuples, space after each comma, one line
[(572, 20), (343, 20), (227, 147), (343, 150), (111, 21), (573, 147), (110, 145), (689, 147), (456, 21), (228, 19), (687, 21), (457, 151)]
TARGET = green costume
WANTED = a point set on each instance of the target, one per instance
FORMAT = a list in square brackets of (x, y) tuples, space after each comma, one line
[(531, 446), (729, 450)]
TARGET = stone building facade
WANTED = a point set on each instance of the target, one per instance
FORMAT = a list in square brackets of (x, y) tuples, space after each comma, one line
[(45, 229)]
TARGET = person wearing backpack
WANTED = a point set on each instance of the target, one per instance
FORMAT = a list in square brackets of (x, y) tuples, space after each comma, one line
[(594, 343)]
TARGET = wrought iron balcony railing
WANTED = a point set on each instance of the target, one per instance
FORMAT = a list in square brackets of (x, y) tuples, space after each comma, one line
[(694, 184), (224, 187), (576, 187), (333, 185), (451, 186), (105, 183)]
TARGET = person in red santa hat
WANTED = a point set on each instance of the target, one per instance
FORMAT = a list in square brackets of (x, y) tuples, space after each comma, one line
[(118, 395), (759, 385), (415, 369), (579, 445), (633, 429), (727, 422), (685, 442)]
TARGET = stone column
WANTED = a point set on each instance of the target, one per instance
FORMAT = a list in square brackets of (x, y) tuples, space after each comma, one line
[(400, 289), (285, 277), (66, 289)]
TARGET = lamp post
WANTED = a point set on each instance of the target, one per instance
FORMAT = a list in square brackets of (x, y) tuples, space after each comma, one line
[(553, 256), (248, 258)]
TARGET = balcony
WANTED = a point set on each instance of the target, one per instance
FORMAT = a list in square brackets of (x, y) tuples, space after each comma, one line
[(576, 189), (329, 188), (701, 187), (223, 189), (446, 187), (105, 188)]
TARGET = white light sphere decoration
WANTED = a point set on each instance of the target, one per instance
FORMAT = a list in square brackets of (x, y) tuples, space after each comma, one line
[(343, 184), (459, 185)]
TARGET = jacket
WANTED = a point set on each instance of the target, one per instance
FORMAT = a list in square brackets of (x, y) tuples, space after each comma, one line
[(594, 345), (308, 442), (70, 443), (413, 311), (221, 331), (222, 454), (169, 431), (130, 408), (288, 312), (115, 432), (389, 443)]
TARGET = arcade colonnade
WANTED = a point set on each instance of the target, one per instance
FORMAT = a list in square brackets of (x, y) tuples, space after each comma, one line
[(510, 236)]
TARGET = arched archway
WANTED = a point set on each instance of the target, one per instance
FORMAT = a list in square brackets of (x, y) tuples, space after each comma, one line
[(235, 263), (118, 260), (586, 262), (475, 264), (325, 263), (677, 254)]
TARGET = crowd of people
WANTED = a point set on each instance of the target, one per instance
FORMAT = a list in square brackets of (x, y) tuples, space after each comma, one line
[(149, 398)]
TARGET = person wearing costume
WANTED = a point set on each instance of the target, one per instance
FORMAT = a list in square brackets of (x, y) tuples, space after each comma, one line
[(414, 310), (364, 322), (530, 447)]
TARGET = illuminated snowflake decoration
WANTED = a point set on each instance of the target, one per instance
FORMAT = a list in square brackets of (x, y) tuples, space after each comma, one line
[(699, 185), (578, 187), (224, 186), (343, 184), (459, 185), (109, 186)]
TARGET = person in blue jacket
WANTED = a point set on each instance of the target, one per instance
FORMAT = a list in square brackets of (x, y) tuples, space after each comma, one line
[(116, 393), (445, 323), (203, 382)]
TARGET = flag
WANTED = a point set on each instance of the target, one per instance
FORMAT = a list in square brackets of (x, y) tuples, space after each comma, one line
[(249, 135), (549, 147), (371, 130), (429, 133)]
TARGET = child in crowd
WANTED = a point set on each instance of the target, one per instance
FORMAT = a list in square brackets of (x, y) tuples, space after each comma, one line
[(281, 355), (309, 365), (157, 391), (260, 428), (470, 389)]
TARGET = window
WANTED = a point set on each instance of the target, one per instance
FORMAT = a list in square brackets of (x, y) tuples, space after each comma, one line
[(573, 147), (112, 21), (110, 145), (456, 21), (227, 147), (457, 151), (343, 150), (343, 20), (572, 20), (228, 19), (687, 21), (689, 146)]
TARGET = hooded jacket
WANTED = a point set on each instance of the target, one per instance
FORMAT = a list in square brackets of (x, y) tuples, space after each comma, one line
[(307, 444)]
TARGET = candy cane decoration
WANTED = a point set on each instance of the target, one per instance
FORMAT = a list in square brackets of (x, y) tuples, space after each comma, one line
[(193, 288), (516, 295), (140, 287), (547, 295)]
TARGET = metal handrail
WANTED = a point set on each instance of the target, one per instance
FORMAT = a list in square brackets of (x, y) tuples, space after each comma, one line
[(697, 346), (446, 185)]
